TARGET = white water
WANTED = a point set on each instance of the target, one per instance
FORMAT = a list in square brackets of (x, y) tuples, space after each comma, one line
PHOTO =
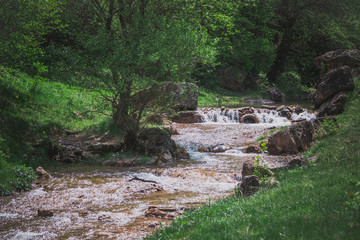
[(266, 117)]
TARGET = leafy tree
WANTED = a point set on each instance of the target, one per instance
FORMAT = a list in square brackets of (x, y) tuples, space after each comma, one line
[(133, 46), (307, 29), (23, 26)]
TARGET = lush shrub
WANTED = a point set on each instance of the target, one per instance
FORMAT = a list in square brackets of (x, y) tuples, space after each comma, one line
[(16, 177), (290, 84)]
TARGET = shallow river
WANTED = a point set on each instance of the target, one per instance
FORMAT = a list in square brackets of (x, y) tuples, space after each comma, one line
[(92, 202)]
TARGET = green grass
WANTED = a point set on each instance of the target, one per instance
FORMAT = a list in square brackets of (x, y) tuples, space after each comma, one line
[(223, 97), (321, 201), (32, 112)]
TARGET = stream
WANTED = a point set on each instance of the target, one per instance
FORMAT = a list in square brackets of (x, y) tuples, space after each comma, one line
[(99, 202)]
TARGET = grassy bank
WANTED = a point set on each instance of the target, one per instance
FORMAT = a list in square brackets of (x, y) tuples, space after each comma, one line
[(32, 111), (321, 201)]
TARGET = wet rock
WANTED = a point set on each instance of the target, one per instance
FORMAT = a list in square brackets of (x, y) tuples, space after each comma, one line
[(297, 161), (269, 107), (249, 118), (44, 213), (104, 218), (336, 59), (163, 213), (188, 117), (285, 112), (298, 109), (252, 149), (276, 95), (332, 107), (332, 83), (181, 153), (246, 110), (215, 149), (249, 185), (42, 174)]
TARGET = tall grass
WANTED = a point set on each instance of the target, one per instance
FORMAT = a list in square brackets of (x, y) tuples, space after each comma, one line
[(321, 201)]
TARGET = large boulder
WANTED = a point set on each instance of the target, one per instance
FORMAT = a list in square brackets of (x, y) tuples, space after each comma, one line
[(188, 117), (336, 59), (293, 140), (332, 107), (281, 143), (158, 142), (302, 133), (335, 81)]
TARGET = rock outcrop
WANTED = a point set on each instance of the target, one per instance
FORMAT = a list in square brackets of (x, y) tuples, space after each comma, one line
[(336, 59), (332, 83)]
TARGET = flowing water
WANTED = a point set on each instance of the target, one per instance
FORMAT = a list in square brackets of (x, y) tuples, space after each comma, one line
[(92, 202)]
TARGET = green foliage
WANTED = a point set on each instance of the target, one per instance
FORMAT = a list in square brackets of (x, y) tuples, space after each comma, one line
[(328, 127), (260, 170), (290, 84), (16, 177), (23, 177), (353, 204), (24, 26)]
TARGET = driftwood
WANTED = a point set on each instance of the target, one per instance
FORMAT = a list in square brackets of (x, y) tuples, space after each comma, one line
[(142, 180)]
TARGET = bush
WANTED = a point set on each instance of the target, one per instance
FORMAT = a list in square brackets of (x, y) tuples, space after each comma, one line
[(17, 177), (290, 84)]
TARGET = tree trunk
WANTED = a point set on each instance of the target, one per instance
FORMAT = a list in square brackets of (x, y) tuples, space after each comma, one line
[(288, 12)]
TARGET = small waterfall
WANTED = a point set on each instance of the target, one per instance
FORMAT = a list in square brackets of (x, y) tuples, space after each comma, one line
[(265, 116)]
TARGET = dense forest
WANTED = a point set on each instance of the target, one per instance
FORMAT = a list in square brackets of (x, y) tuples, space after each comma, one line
[(100, 54)]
